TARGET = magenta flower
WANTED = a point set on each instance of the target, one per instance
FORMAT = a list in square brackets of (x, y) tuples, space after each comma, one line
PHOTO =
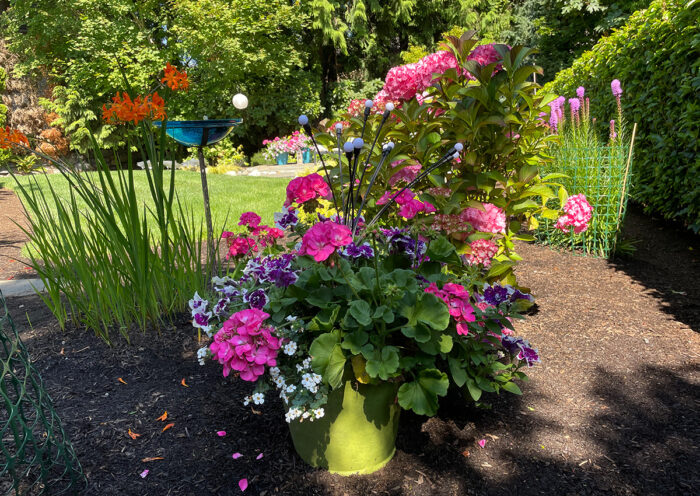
[(616, 88), (457, 300), (401, 82), (306, 188), (580, 92), (250, 219), (323, 239), (244, 345)]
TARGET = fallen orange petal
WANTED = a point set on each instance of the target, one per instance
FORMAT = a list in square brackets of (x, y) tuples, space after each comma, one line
[(167, 427), (183, 382), (163, 417), (121, 380), (133, 435), (152, 458)]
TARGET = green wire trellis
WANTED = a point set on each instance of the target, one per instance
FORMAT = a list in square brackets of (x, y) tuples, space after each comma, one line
[(603, 174), (36, 453)]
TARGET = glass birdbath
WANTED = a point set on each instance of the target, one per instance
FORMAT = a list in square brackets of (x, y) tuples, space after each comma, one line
[(200, 134)]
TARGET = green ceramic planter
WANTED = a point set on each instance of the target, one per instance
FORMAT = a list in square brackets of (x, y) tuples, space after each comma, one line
[(357, 434)]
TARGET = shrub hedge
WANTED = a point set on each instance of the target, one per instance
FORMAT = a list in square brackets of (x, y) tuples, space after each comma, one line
[(656, 56)]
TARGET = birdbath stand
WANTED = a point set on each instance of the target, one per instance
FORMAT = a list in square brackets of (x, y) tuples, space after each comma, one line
[(200, 134)]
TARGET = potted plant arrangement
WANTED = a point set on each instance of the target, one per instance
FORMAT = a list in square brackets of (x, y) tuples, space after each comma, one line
[(371, 294), (279, 148)]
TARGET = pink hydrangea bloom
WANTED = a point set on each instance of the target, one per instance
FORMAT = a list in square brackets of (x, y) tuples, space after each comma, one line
[(492, 219), (485, 55), (381, 99), (578, 214), (324, 238), (244, 345), (250, 219), (483, 250), (406, 175), (305, 188), (401, 82), (434, 63)]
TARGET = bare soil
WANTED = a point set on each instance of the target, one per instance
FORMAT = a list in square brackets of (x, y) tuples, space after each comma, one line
[(614, 408)]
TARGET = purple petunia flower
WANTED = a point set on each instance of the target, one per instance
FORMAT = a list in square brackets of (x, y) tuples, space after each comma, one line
[(256, 299), (521, 348), (285, 218), (529, 355), (220, 306), (495, 295), (354, 251), (400, 242)]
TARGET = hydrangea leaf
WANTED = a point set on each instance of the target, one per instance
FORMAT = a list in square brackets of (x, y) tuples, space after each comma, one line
[(421, 395)]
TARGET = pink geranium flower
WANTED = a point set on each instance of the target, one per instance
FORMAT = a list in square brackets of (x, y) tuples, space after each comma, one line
[(250, 219), (244, 345), (456, 297), (306, 188), (324, 238)]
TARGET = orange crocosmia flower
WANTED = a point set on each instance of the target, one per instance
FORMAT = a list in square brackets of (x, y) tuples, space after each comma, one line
[(124, 109), (168, 426), (163, 417), (183, 382), (12, 137), (174, 79), (133, 435)]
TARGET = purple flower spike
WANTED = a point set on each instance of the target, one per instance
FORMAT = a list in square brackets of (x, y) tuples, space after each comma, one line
[(616, 88), (580, 91), (575, 105)]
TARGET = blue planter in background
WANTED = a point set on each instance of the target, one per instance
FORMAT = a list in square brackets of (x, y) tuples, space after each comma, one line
[(282, 158), (306, 156)]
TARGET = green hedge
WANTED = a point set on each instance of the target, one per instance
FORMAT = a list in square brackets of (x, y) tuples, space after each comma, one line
[(656, 56)]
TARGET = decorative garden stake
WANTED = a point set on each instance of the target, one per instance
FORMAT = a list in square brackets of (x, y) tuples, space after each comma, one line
[(200, 134)]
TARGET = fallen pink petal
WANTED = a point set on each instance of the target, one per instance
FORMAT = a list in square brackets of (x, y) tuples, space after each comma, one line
[(221, 433), (236, 456), (482, 442), (259, 456), (144, 474), (243, 484)]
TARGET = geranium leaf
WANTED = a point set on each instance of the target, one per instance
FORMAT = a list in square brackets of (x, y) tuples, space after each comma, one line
[(429, 310), (383, 363), (328, 358), (421, 395)]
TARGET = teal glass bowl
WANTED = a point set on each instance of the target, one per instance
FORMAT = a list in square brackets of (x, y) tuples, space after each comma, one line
[(190, 133)]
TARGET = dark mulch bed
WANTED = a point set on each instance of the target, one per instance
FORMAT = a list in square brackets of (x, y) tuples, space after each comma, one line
[(613, 408)]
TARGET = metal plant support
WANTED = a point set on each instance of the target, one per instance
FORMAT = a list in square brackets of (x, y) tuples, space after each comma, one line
[(603, 175), (36, 454)]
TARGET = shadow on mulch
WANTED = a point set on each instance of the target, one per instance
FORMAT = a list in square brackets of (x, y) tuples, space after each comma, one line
[(646, 428), (666, 261)]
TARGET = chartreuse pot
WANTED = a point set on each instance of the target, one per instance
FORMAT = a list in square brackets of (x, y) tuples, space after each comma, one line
[(357, 434)]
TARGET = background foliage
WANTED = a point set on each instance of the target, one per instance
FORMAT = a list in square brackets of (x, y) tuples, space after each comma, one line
[(656, 56)]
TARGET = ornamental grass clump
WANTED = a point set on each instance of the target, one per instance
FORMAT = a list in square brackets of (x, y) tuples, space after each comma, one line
[(115, 264)]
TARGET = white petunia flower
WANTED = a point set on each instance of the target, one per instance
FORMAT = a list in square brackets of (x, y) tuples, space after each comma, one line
[(319, 412), (246, 400), (258, 398), (290, 389), (290, 348), (274, 372), (279, 382), (202, 354), (291, 318)]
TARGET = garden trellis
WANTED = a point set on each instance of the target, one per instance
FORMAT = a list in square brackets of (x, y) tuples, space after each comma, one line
[(603, 174), (36, 453)]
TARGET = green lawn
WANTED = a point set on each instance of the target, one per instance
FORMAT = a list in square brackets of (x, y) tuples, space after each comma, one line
[(229, 195)]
